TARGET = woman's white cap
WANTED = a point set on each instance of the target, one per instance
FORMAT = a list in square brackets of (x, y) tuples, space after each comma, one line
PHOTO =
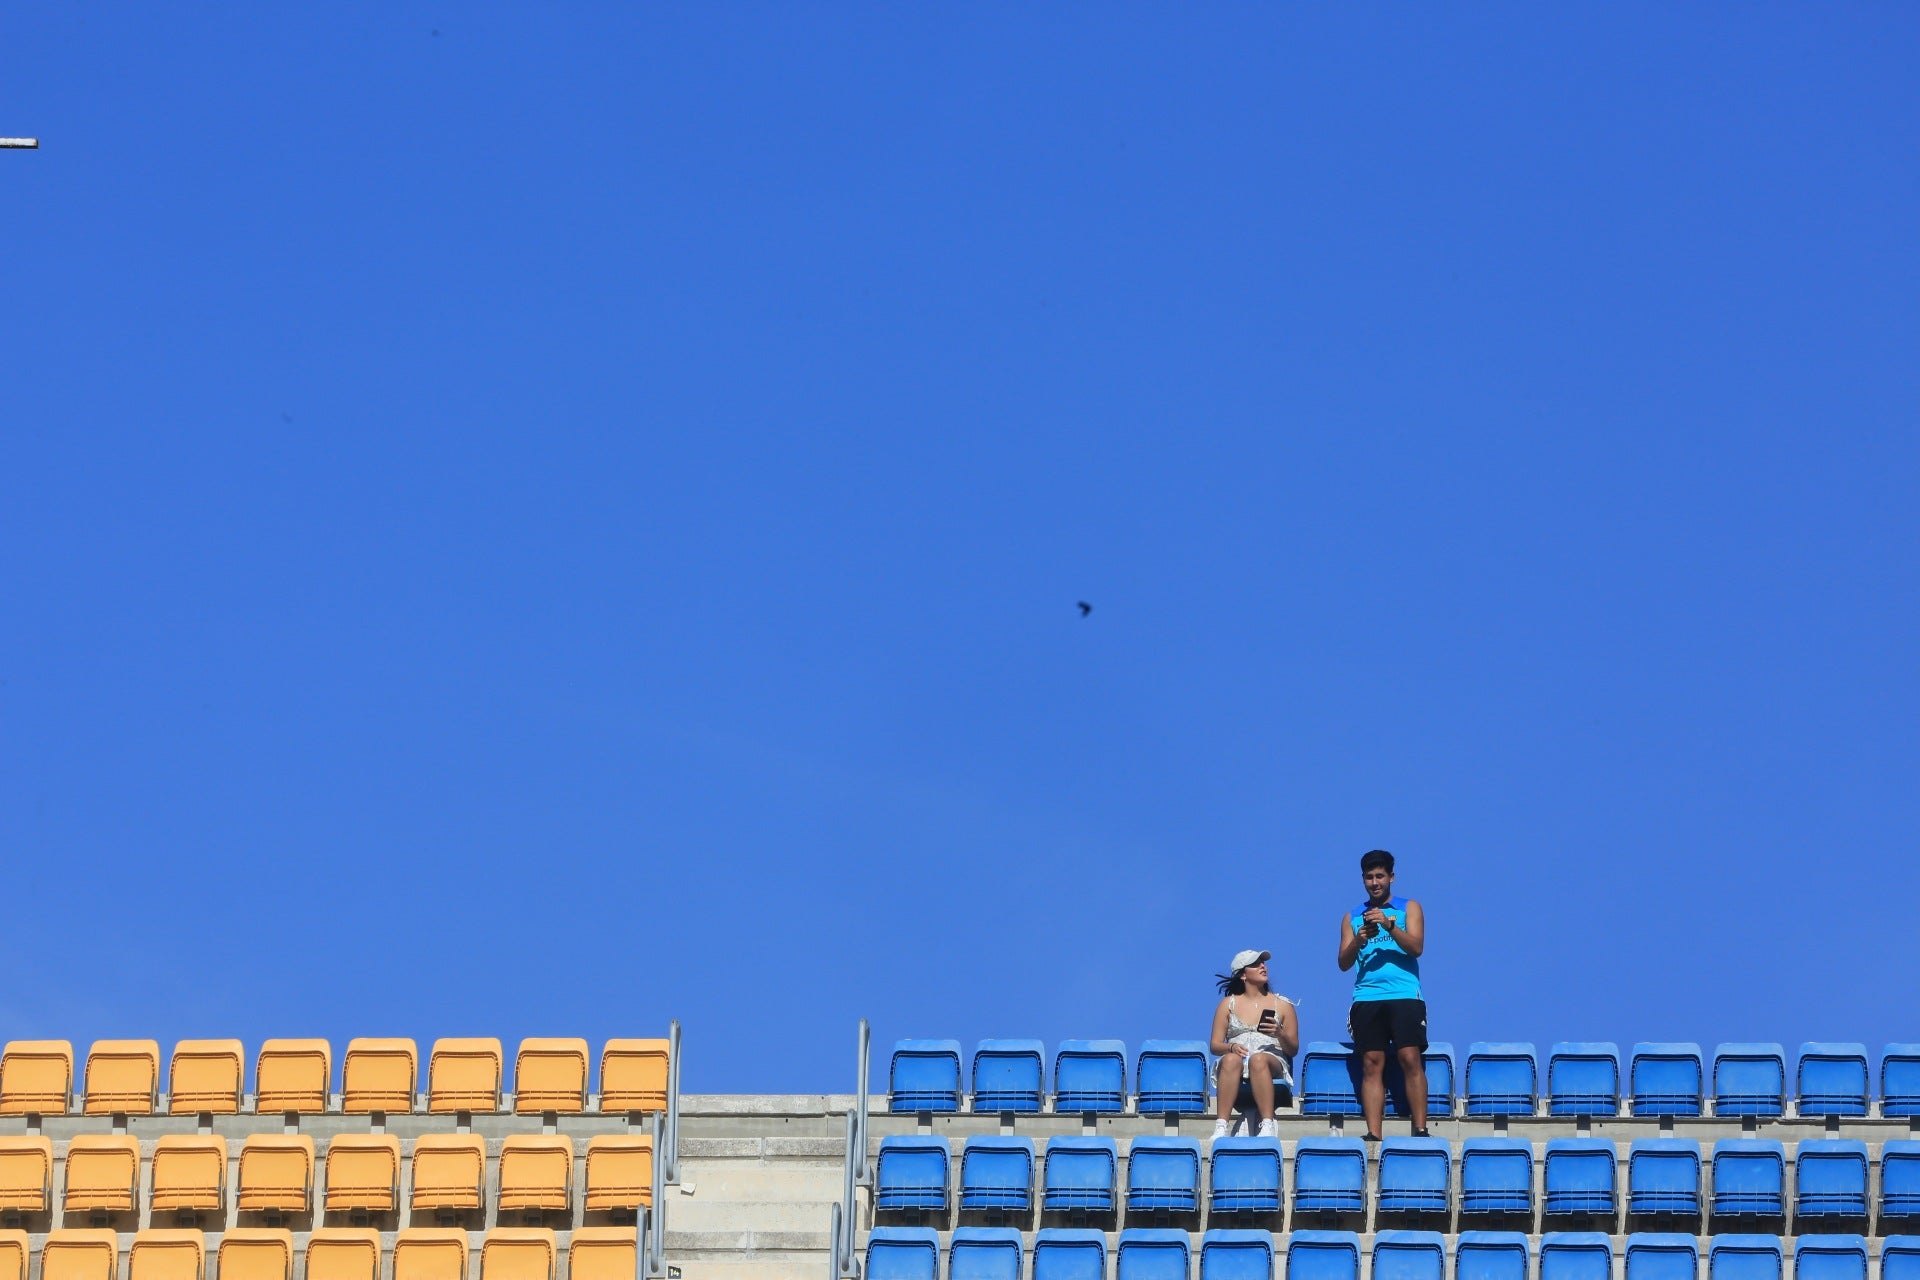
[(1244, 958)]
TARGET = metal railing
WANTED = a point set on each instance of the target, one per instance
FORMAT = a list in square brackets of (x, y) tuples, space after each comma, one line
[(672, 1157), (846, 1214), (655, 1265)]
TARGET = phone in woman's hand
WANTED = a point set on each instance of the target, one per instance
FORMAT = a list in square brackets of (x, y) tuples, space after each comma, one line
[(1268, 1017)]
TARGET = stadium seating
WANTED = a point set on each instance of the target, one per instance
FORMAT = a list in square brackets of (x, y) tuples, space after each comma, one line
[(911, 1173), (1653, 1255), (293, 1077), (449, 1173), (1244, 1175), (1069, 1253), (1749, 1080), (363, 1173), (1663, 1177), (1409, 1255), (1900, 1258), (1580, 1178), (984, 1253), (378, 1075), (1502, 1079), (924, 1076), (276, 1174), (159, 1254), (36, 1078), (536, 1173), (1007, 1075), (189, 1173), (1438, 1060), (1835, 1257), (123, 1078), (903, 1253), (463, 1075), (601, 1253), (619, 1172), (256, 1253), (14, 1250), (1090, 1077), (1830, 1179), (1328, 1083), (1738, 1257), (343, 1253), (1667, 1079), (26, 1174), (80, 1253), (1749, 1178), (1496, 1176), (103, 1174), (1330, 1175), (429, 1253), (1576, 1255), (205, 1077), (1491, 1255), (550, 1074), (997, 1173), (1228, 1253), (518, 1253), (1831, 1080), (1171, 1077), (1153, 1253), (1899, 1081), (1080, 1175), (1900, 1178), (1163, 1175), (1323, 1255), (1416, 1174), (1583, 1079)]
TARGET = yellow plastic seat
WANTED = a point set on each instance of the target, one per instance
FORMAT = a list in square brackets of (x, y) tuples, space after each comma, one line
[(463, 1075), (620, 1171), (518, 1253), (103, 1173), (550, 1074), (427, 1253), (293, 1076), (205, 1078), (123, 1077), (276, 1174), (26, 1175), (159, 1254), (536, 1172), (36, 1078), (82, 1253), (633, 1075), (255, 1253), (363, 1172), (378, 1075), (13, 1255), (189, 1173), (602, 1253), (449, 1171), (343, 1253)]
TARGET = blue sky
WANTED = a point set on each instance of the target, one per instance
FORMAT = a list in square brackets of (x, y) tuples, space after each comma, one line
[(575, 520)]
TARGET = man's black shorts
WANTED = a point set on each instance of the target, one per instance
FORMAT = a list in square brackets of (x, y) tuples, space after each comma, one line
[(1376, 1024)]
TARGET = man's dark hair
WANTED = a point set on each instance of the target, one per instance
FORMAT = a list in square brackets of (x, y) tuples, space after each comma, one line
[(1376, 858)]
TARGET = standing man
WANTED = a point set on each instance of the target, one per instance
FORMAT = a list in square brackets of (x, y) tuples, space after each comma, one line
[(1386, 935)]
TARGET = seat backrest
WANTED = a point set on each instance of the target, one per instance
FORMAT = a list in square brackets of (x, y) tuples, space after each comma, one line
[(276, 1173), (293, 1076), (518, 1253), (430, 1253), (1749, 1080), (1409, 1255), (1576, 1255), (449, 1171), (1580, 1165), (80, 1253), (189, 1170), (123, 1077), (205, 1077), (256, 1253), (1236, 1254), (363, 1172), (1007, 1075), (984, 1253), (1090, 1076), (378, 1074), (1416, 1165), (550, 1075), (1170, 1076), (1150, 1253), (924, 1075), (1497, 1173), (1061, 1253), (1583, 1079), (343, 1253), (1323, 1255), (1900, 1258), (1748, 1167), (36, 1077), (1830, 1174), (1491, 1255), (996, 1164), (13, 1254), (1245, 1164), (1503, 1078), (1666, 1078), (1163, 1164), (159, 1254), (619, 1171), (911, 1172), (464, 1075), (1899, 1082), (536, 1171), (26, 1175), (903, 1253), (1662, 1256), (1835, 1257), (1744, 1257), (602, 1253), (633, 1075), (1663, 1166), (1329, 1080), (103, 1171), (1831, 1079), (1081, 1172)]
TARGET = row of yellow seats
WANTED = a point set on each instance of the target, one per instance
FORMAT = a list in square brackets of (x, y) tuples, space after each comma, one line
[(340, 1253), (123, 1076), (189, 1173)]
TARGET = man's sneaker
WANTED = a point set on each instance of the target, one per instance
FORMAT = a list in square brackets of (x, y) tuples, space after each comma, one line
[(1421, 1133), (1269, 1129), (1222, 1128)]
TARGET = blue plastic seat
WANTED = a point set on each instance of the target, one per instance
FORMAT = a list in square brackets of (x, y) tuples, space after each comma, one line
[(1236, 1255), (1583, 1079), (1244, 1175), (1576, 1255), (1749, 1178), (1080, 1175), (1580, 1177), (997, 1173), (1503, 1078), (1666, 1078), (1409, 1255), (903, 1253), (1329, 1081), (1416, 1176), (1734, 1257), (1900, 1179), (1007, 1075), (1323, 1255), (1900, 1080), (1069, 1253), (1153, 1253), (1831, 1079), (1749, 1080), (1438, 1060), (1330, 1175), (1090, 1077), (1660, 1255), (1663, 1176), (1496, 1176), (924, 1076), (1835, 1257), (1491, 1255), (1163, 1175), (911, 1173), (1172, 1076), (1900, 1258), (1830, 1179), (985, 1253)]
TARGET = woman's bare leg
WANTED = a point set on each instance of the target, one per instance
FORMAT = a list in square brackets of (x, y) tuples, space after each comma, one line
[(1262, 1073), (1228, 1082)]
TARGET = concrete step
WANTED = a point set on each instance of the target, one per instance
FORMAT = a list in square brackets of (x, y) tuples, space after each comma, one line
[(762, 1179), (696, 1214), (784, 1264)]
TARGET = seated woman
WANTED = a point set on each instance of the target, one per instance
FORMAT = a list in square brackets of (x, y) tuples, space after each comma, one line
[(1254, 1032)]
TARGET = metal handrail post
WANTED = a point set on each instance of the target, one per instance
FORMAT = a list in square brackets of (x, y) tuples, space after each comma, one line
[(861, 1172), (657, 1243), (641, 1262), (673, 1103), (833, 1243)]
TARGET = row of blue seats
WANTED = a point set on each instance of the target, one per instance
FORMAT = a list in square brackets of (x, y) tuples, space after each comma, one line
[(1500, 1079), (1415, 1175), (989, 1253)]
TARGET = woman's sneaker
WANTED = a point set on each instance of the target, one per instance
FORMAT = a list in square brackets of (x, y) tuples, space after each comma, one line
[(1269, 1129), (1222, 1128)]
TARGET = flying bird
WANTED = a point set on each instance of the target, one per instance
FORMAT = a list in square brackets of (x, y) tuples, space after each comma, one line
[(1085, 608)]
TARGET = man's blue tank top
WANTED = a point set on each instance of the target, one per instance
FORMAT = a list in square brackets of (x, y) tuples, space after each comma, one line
[(1385, 971)]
